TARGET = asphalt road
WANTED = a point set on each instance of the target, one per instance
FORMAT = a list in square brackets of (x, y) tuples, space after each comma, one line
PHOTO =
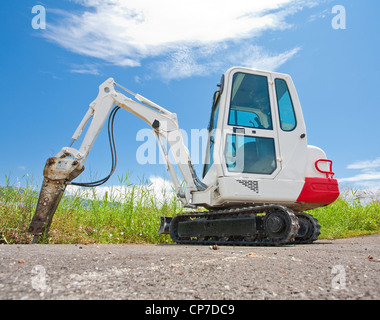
[(328, 269)]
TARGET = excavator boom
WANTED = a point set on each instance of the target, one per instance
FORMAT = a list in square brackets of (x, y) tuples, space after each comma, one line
[(69, 162)]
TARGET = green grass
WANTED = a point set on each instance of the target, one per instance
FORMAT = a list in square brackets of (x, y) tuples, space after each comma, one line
[(16, 210), (87, 217), (345, 218), (130, 214)]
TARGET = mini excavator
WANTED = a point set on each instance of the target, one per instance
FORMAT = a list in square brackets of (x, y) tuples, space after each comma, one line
[(259, 174)]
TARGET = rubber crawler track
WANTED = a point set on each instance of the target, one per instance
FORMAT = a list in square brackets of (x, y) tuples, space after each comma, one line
[(260, 239)]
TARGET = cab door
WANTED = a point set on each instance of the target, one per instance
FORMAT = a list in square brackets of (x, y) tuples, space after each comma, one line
[(291, 129), (250, 126)]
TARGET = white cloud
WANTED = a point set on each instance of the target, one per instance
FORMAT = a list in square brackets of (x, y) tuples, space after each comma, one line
[(368, 178), (85, 69), (362, 177), (182, 63), (183, 34), (320, 15), (365, 165), (187, 62), (256, 57), (159, 190)]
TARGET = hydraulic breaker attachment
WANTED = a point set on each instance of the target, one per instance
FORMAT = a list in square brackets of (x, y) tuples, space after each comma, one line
[(165, 225), (57, 173)]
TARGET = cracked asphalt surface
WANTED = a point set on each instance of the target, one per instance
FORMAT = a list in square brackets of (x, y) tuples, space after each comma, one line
[(327, 269)]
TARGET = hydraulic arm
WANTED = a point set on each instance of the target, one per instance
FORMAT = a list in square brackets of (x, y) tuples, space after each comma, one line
[(69, 162)]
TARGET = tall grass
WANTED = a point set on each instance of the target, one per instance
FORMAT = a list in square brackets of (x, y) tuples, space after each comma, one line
[(16, 210), (351, 215), (130, 213)]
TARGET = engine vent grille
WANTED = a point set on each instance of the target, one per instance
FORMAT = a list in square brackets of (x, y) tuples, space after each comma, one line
[(250, 184)]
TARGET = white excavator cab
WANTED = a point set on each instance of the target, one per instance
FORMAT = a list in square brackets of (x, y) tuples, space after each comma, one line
[(257, 149), (253, 122)]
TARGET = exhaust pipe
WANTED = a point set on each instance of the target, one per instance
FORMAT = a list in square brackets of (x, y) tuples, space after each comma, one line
[(57, 173)]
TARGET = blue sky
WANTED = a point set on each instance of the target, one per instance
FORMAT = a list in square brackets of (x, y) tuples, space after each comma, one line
[(175, 57)]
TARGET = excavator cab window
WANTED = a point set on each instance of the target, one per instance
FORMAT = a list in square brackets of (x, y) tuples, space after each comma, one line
[(246, 154), (211, 128), (250, 103), (288, 120)]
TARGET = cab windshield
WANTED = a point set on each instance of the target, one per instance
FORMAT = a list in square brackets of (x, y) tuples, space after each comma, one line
[(250, 103)]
